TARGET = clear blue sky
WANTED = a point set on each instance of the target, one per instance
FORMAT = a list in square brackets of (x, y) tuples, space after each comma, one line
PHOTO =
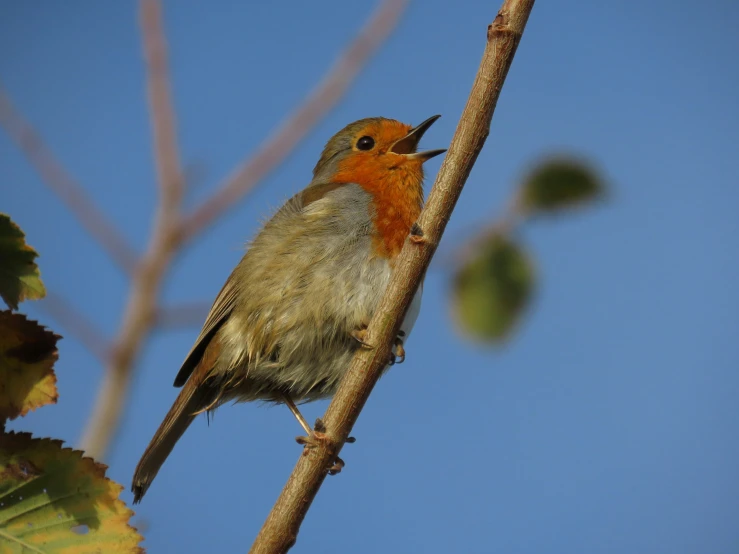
[(609, 424)]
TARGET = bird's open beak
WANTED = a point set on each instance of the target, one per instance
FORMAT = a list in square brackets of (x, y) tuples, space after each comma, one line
[(407, 145)]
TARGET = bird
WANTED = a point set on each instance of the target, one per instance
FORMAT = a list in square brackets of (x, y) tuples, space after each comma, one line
[(287, 322)]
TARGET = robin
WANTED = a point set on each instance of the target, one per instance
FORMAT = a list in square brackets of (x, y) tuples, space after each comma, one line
[(293, 312)]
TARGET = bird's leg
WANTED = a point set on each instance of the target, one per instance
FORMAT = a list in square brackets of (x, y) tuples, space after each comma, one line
[(397, 352), (294, 409), (315, 435)]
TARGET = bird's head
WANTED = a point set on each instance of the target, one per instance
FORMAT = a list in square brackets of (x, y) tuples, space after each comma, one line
[(380, 155), (371, 151)]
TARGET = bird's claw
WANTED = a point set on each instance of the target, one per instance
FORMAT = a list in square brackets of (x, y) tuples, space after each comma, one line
[(360, 335), (416, 234), (317, 436), (337, 466), (397, 355), (312, 440)]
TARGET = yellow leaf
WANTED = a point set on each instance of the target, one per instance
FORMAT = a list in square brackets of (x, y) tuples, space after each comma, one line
[(19, 274), (54, 500), (27, 355)]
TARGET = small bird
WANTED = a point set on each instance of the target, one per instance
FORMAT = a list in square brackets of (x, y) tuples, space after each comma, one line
[(295, 309)]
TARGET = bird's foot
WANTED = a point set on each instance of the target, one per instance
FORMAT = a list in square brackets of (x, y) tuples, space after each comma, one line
[(397, 354), (360, 336), (337, 466), (315, 438), (416, 235)]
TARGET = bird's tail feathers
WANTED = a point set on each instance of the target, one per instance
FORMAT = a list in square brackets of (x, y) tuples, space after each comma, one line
[(191, 401)]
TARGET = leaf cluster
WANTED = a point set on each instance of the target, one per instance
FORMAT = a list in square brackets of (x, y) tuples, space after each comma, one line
[(52, 499)]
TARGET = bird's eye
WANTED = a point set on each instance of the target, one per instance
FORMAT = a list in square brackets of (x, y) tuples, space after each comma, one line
[(366, 143)]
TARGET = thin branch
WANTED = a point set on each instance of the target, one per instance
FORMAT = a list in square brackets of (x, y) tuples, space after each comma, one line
[(62, 183), (140, 313), (77, 324), (161, 110), (326, 95), (183, 315), (281, 528)]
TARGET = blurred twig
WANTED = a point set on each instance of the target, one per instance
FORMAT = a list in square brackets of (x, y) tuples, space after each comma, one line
[(164, 128), (139, 316), (62, 183), (183, 315), (280, 530)]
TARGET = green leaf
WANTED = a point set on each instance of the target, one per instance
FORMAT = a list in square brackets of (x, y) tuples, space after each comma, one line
[(27, 355), (19, 274), (54, 500), (559, 184), (492, 290)]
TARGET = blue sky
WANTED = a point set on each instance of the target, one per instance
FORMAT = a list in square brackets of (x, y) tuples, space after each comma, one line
[(610, 421)]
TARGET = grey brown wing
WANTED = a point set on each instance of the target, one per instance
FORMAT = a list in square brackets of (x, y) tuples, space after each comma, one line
[(226, 299), (219, 313)]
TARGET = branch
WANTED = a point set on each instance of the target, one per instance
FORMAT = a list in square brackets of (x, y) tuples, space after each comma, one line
[(163, 125), (183, 316), (77, 324), (275, 149), (281, 528), (59, 181), (140, 314)]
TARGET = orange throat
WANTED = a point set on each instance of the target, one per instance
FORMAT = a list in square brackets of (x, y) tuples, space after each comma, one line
[(397, 208), (397, 193)]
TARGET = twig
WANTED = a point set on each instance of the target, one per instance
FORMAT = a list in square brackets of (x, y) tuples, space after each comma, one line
[(77, 324), (170, 233), (183, 315), (139, 317), (59, 181), (326, 95), (281, 528), (163, 123)]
